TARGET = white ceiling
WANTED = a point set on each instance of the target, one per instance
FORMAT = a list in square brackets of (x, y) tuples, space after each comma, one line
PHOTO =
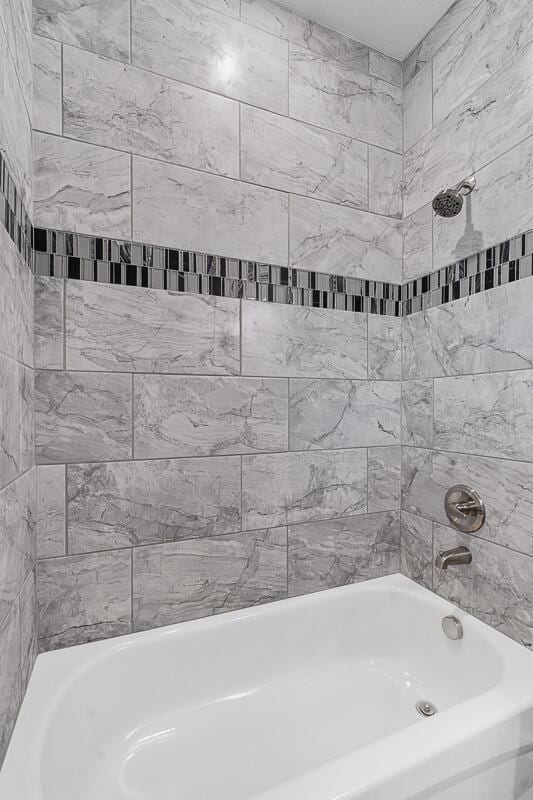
[(392, 26)]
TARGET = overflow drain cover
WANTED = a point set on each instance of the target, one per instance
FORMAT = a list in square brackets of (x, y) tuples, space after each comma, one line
[(426, 708)]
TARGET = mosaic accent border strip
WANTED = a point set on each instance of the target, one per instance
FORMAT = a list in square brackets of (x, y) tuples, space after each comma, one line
[(13, 214), (503, 263), (70, 255)]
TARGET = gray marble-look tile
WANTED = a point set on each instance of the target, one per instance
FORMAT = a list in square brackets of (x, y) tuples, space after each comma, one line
[(273, 18), (295, 157), (485, 414), (101, 26), (344, 241), (386, 68), (505, 486), (50, 513), (82, 416), (121, 106), (330, 414), (417, 243), (16, 22), (46, 85), (417, 413), (384, 348), (288, 341), (492, 34), (48, 322), (16, 303), (335, 96), (384, 484), (417, 107), (323, 555), (487, 332), (10, 689), (286, 488), (80, 187), (496, 587), (15, 125), (145, 502), (83, 598), (437, 36), (488, 220), (16, 413), (384, 182), (494, 119), (194, 210), (193, 416), (210, 50), (416, 558), (17, 538), (126, 329), (28, 629), (186, 580), (229, 7)]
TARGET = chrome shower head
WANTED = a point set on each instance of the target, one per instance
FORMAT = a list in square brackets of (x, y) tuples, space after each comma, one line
[(449, 202)]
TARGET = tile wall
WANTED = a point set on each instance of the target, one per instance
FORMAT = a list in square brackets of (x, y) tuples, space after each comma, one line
[(201, 454), (17, 473), (232, 128), (467, 366)]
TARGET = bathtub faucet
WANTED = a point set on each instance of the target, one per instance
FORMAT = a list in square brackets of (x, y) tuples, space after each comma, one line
[(453, 557)]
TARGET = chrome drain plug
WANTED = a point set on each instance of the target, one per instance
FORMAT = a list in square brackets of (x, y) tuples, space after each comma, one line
[(426, 708)]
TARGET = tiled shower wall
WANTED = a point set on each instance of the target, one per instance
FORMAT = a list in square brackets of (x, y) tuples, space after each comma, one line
[(213, 453), (17, 473), (468, 384), (188, 446), (227, 127)]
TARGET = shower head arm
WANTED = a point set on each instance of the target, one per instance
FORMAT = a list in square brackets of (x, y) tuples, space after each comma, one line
[(466, 186)]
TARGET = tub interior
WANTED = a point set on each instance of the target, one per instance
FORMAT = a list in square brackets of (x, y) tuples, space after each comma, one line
[(239, 706)]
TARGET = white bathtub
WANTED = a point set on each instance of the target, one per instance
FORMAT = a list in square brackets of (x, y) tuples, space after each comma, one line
[(305, 699)]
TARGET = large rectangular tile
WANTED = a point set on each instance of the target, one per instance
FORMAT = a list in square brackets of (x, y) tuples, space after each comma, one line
[(294, 157), (488, 332), (82, 416), (496, 587), (323, 555), (17, 538), (506, 488), (385, 175), (330, 414), (16, 413), (502, 109), (80, 187), (288, 341), (126, 329), (384, 484), (16, 303), (490, 220), (16, 22), (335, 96), (101, 26), (485, 414), (287, 488), (344, 241), (83, 598), (416, 556), (199, 46), (48, 322), (10, 694), (418, 108), (387, 68), (50, 511), (47, 112), (117, 105), (437, 36), (196, 211), (418, 243), (491, 35), (186, 580), (28, 629), (194, 416), (144, 502)]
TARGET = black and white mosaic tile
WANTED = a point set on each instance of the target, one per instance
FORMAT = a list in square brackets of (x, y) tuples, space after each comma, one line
[(13, 214)]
